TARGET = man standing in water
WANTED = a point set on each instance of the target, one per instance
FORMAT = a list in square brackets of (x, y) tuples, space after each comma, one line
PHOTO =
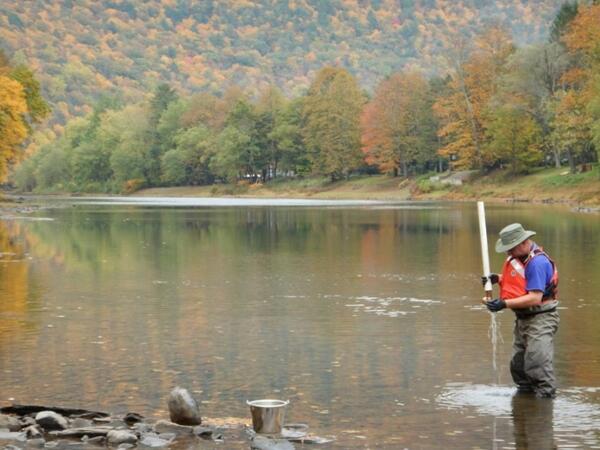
[(528, 286)]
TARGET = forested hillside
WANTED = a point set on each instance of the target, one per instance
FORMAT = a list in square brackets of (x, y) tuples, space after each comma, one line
[(171, 95), (83, 48)]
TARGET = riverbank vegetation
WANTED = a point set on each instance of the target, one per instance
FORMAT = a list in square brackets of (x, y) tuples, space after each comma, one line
[(496, 109), (542, 185)]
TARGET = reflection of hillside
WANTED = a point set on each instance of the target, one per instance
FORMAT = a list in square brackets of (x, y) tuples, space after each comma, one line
[(14, 284)]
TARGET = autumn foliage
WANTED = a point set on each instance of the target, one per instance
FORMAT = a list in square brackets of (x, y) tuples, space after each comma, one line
[(489, 104), (397, 124), (20, 105)]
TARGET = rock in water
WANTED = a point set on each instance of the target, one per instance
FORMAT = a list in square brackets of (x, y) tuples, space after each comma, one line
[(265, 443), (9, 422), (152, 440), (12, 436), (117, 437), (49, 420), (131, 418), (33, 432), (183, 409), (164, 426)]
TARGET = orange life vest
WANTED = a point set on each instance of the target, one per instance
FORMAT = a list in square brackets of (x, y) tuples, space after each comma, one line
[(513, 283)]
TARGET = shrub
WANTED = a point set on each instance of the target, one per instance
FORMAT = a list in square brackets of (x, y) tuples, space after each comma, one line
[(133, 185)]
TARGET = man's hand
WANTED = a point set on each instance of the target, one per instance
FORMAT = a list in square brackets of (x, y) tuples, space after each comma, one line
[(494, 278), (496, 305)]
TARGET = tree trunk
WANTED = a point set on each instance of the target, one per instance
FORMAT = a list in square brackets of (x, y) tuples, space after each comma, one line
[(572, 167), (556, 153), (395, 172)]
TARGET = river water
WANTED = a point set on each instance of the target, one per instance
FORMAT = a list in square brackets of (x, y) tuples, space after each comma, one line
[(364, 315)]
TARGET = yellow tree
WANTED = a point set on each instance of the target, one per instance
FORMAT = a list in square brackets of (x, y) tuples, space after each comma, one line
[(397, 124), (20, 105), (474, 73), (13, 129), (580, 106)]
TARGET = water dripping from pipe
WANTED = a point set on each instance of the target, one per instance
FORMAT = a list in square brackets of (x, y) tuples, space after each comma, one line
[(495, 337)]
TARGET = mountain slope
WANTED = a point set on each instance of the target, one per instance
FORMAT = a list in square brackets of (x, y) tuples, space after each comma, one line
[(83, 48)]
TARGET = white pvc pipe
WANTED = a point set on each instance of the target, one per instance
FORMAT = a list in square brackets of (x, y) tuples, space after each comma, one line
[(484, 248)]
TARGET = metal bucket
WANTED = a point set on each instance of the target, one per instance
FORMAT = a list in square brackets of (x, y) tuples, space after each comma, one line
[(267, 415)]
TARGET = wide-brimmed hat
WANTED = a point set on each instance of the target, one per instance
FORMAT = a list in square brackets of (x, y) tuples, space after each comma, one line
[(511, 236)]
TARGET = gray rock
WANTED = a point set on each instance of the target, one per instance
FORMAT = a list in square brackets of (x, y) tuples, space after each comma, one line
[(126, 446), (27, 421), (102, 420), (80, 432), (12, 436), (81, 423), (49, 420), (116, 423), (36, 442), (203, 432), (167, 436), (33, 432), (11, 447), (142, 427), (11, 423), (183, 409), (309, 439), (164, 426), (64, 444), (265, 443), (117, 437), (130, 418), (152, 440), (98, 440), (291, 433)]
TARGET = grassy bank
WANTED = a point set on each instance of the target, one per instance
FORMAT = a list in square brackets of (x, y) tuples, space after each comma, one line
[(368, 187), (543, 185)]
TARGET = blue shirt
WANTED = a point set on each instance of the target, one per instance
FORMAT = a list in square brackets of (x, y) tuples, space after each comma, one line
[(538, 273)]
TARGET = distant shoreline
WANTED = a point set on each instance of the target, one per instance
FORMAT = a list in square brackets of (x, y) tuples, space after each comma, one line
[(580, 192)]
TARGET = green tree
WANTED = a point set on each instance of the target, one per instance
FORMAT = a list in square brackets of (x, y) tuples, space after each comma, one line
[(90, 158), (188, 162), (127, 130), (515, 138), (269, 106), (163, 96), (239, 155), (170, 123), (331, 113), (564, 16), (287, 135), (53, 169), (37, 107)]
